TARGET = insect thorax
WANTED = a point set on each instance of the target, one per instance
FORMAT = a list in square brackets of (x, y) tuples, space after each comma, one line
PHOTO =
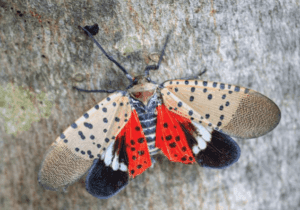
[(147, 116), (143, 90)]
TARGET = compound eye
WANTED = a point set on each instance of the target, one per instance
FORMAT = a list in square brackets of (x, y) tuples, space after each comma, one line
[(148, 79)]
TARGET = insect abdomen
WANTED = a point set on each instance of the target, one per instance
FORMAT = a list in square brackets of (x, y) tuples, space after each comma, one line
[(148, 120)]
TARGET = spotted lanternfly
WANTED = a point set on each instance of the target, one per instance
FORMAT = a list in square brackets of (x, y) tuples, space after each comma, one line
[(189, 121)]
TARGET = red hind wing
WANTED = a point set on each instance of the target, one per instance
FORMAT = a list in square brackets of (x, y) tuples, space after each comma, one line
[(136, 146), (170, 137)]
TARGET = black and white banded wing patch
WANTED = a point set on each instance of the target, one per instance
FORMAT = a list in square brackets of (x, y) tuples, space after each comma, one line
[(236, 111), (73, 153), (109, 174), (211, 148)]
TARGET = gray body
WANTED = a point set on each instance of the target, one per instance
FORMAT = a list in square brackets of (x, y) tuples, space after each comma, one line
[(147, 116)]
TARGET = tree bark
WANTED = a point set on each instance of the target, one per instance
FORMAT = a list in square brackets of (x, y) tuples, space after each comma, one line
[(43, 54)]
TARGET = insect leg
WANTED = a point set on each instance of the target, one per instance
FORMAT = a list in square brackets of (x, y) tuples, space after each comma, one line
[(94, 91), (155, 67)]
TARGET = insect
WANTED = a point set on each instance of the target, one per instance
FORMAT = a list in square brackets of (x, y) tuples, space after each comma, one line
[(189, 121)]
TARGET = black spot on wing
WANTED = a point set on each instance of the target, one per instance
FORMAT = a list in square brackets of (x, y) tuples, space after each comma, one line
[(221, 152)]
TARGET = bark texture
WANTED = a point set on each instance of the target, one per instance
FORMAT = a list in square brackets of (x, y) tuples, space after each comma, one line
[(43, 53)]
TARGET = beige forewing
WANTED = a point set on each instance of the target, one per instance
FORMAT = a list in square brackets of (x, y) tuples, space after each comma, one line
[(72, 154), (235, 110)]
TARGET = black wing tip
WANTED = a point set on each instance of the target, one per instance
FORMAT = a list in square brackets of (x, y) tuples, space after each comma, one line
[(103, 182), (222, 151)]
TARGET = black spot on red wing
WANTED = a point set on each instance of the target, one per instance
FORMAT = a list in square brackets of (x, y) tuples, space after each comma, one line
[(168, 138), (141, 140), (183, 149), (132, 171), (139, 166), (141, 152), (177, 138), (132, 149), (133, 157), (190, 158), (137, 128), (172, 145), (165, 125), (132, 142), (183, 159)]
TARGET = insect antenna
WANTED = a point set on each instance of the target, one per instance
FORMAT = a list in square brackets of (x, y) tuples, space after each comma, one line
[(129, 77), (155, 67)]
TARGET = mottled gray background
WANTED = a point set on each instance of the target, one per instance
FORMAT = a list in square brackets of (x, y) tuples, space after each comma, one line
[(253, 43)]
